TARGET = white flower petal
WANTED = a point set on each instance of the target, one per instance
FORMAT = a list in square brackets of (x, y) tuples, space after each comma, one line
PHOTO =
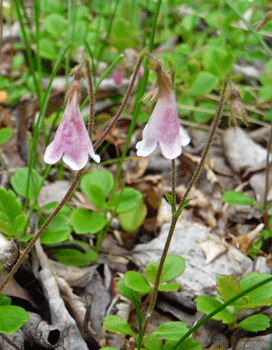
[(184, 137), (52, 155)]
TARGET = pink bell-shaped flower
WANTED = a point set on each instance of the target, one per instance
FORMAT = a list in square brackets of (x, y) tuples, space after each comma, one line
[(163, 127), (118, 77), (72, 141)]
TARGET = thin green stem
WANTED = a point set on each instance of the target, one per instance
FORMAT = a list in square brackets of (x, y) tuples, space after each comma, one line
[(177, 213), (67, 40), (43, 107), (37, 39), (267, 171), (140, 93), (102, 235), (139, 317), (91, 99), (28, 50), (249, 26), (105, 41), (210, 315), (3, 161), (47, 171)]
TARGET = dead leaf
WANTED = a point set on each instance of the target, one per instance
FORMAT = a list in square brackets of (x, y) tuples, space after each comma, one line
[(245, 241), (212, 249)]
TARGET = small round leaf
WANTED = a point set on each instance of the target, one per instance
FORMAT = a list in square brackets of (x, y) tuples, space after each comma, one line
[(85, 221), (12, 318)]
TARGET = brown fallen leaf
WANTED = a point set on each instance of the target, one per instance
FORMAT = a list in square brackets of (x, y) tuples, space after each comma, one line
[(245, 241)]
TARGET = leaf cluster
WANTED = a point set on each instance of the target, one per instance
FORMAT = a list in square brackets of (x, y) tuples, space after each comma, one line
[(134, 285), (228, 287), (126, 202)]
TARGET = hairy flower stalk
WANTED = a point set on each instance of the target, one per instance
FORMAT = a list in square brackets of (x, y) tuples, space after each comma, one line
[(72, 141), (163, 127)]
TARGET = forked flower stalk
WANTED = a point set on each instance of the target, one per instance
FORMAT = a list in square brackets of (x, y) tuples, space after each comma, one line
[(176, 214)]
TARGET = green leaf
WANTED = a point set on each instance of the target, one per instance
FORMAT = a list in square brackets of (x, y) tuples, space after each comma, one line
[(10, 205), (50, 206), (171, 330), (5, 135), (19, 224), (12, 318), (266, 233), (49, 49), (119, 36), (205, 113), (15, 92), (208, 304), (125, 200), (103, 179), (74, 257), (4, 300), (96, 196), (137, 282), (169, 287), (6, 228), (153, 343), (238, 198), (260, 295), (85, 221), (133, 220), (169, 198), (268, 70), (118, 325), (255, 323), (10, 209), (188, 344), (127, 292), (203, 84), (57, 231), (49, 6), (19, 183), (79, 33), (217, 60), (109, 348), (227, 287), (17, 61), (55, 24), (173, 267)]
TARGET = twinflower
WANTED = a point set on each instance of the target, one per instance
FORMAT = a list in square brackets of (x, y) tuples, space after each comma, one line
[(163, 127), (72, 141)]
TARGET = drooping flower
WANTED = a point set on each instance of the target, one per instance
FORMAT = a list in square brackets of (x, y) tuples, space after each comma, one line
[(163, 127), (118, 77), (72, 141), (141, 72)]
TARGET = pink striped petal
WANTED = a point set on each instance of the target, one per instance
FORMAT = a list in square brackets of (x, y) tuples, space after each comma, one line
[(72, 141), (163, 128)]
